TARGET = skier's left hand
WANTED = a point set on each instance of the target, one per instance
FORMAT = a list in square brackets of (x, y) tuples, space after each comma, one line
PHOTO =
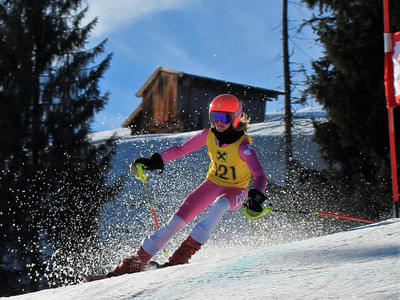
[(254, 202), (153, 163)]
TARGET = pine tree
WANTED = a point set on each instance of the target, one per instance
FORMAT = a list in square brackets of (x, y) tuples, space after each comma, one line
[(53, 181), (348, 82)]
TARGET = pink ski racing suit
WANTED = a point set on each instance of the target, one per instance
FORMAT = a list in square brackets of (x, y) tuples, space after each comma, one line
[(222, 198)]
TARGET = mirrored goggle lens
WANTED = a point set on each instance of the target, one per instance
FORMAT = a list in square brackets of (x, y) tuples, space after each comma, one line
[(224, 118)]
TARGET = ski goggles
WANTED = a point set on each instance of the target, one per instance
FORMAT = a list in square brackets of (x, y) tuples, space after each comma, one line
[(224, 118)]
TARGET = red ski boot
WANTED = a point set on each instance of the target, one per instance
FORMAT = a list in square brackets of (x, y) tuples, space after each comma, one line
[(183, 253), (132, 264)]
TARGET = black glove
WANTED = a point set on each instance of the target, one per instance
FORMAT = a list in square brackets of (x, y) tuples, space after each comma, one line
[(254, 202), (153, 163)]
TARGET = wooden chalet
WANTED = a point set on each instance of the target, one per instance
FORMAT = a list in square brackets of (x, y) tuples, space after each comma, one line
[(175, 101)]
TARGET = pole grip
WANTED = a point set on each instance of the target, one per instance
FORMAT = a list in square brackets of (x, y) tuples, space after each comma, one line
[(263, 212), (140, 173)]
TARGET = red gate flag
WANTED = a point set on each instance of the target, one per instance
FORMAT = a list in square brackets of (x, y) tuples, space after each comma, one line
[(396, 67)]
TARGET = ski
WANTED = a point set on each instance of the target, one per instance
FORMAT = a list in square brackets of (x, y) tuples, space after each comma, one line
[(92, 277), (152, 265), (155, 265)]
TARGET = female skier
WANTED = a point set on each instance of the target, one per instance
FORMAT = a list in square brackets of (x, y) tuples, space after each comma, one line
[(233, 162)]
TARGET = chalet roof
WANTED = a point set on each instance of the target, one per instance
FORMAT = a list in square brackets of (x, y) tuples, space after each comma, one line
[(139, 93), (153, 76)]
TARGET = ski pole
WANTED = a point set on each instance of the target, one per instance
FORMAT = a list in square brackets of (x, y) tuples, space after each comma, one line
[(323, 213), (142, 177)]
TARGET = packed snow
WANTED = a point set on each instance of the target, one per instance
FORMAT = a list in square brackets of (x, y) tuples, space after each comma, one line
[(362, 263), (276, 257)]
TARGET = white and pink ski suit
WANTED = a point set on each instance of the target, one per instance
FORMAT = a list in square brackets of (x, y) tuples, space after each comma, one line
[(222, 198)]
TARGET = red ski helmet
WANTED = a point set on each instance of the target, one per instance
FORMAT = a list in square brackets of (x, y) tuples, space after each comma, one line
[(229, 104)]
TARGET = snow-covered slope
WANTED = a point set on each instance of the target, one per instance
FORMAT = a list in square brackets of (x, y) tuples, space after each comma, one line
[(276, 257), (363, 263), (310, 112)]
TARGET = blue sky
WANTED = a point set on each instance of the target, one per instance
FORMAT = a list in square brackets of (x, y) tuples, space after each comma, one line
[(237, 41)]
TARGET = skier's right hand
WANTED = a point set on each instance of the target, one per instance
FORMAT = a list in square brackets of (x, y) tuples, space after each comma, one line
[(153, 163)]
